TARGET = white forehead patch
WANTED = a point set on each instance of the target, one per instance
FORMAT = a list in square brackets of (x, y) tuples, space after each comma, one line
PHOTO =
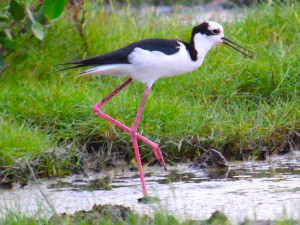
[(213, 25)]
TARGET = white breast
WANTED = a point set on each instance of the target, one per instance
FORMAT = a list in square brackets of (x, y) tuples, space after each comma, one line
[(148, 66)]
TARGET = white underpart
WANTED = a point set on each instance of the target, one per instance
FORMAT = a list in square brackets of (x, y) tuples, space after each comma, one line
[(148, 66)]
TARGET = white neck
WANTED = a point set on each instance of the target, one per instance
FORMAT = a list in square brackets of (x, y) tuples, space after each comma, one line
[(202, 44)]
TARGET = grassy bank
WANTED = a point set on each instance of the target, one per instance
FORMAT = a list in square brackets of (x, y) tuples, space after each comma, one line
[(110, 214), (231, 103)]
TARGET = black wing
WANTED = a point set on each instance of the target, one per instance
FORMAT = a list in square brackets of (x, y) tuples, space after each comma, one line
[(120, 56)]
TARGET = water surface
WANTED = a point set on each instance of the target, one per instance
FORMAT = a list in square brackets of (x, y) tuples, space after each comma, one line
[(254, 190)]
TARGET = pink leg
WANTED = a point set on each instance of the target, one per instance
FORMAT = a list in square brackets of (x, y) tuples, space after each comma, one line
[(97, 109), (134, 139)]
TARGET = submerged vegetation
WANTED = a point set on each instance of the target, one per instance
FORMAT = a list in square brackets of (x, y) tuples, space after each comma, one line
[(237, 105)]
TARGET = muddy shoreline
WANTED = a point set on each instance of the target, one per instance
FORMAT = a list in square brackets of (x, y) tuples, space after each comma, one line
[(90, 157)]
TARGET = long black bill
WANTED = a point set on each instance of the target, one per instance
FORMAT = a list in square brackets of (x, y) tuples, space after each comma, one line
[(235, 46)]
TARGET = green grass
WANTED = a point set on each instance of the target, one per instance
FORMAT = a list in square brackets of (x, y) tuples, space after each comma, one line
[(159, 218), (230, 100)]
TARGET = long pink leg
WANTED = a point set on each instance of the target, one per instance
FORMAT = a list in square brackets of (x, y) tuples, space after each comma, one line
[(97, 109), (134, 139)]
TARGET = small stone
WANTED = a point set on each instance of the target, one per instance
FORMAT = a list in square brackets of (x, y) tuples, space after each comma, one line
[(210, 159)]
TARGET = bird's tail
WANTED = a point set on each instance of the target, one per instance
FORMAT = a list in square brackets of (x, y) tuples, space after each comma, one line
[(72, 65), (95, 63)]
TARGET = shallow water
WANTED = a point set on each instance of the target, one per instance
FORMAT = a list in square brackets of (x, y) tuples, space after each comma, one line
[(255, 190)]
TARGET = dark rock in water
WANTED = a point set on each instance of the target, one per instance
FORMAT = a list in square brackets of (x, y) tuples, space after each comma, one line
[(292, 143), (148, 200), (100, 184), (210, 159), (114, 213), (132, 168), (287, 146), (218, 217), (6, 183)]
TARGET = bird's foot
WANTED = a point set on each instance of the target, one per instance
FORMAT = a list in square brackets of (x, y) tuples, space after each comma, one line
[(159, 156), (148, 199)]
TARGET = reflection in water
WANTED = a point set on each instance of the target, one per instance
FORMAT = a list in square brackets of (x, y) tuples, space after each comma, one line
[(255, 190)]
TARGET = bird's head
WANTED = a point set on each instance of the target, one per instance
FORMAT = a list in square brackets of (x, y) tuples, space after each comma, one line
[(209, 34)]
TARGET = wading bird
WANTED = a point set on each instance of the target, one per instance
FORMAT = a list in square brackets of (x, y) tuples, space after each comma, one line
[(148, 60)]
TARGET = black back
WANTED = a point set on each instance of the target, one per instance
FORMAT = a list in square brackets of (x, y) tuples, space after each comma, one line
[(120, 56)]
